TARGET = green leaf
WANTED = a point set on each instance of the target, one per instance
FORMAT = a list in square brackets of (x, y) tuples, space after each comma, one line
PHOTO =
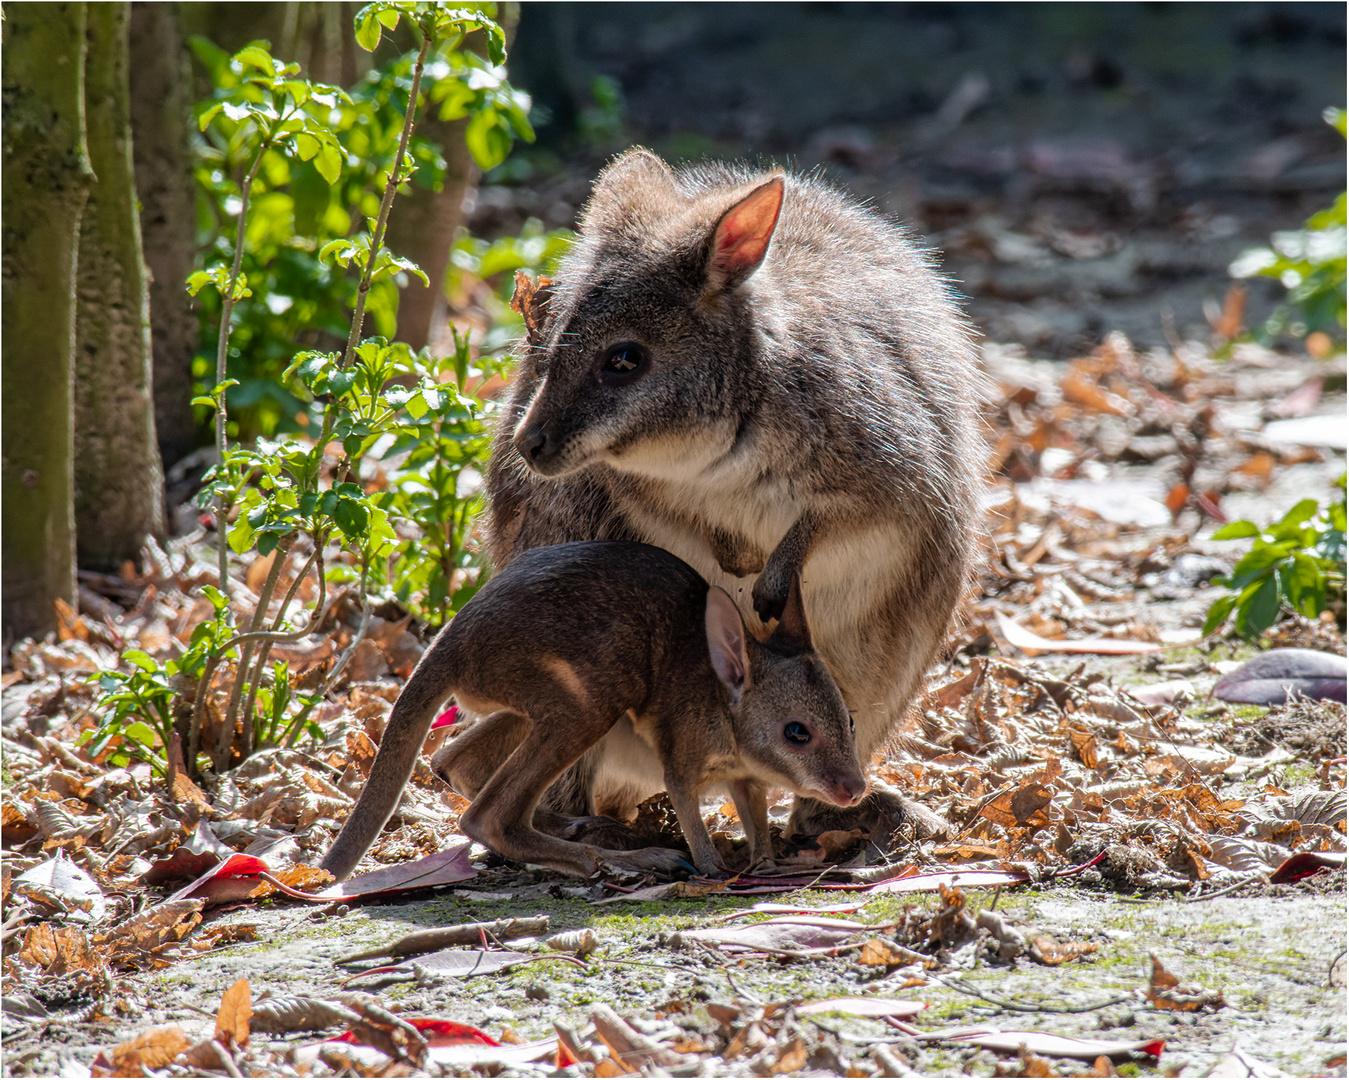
[(1304, 585), (204, 120), (141, 659), (350, 517), (1237, 530), (488, 141), (307, 146), (209, 402), (368, 32), (1258, 608), (329, 162), (257, 57), (142, 733), (1218, 613)]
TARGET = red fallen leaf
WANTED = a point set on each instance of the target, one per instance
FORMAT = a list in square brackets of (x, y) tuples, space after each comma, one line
[(436, 1033), (1306, 863), (564, 1057), (181, 864), (448, 718), (235, 879), (443, 868)]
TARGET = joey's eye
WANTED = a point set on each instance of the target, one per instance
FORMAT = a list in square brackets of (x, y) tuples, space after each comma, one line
[(622, 363), (852, 727), (796, 733)]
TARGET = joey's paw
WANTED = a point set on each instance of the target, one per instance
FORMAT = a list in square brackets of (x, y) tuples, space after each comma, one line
[(662, 861), (770, 595)]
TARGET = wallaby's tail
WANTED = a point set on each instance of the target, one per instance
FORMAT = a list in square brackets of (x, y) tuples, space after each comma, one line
[(429, 685)]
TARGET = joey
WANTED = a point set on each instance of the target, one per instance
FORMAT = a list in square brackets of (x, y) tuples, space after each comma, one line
[(770, 381), (618, 661)]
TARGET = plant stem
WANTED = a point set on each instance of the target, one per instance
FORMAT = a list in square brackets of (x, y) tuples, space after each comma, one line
[(221, 356), (390, 189), (241, 674)]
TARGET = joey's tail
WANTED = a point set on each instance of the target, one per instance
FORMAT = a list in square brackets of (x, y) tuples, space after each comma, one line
[(429, 685)]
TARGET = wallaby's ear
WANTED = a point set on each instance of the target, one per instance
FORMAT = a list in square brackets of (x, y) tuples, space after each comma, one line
[(634, 166), (741, 238), (726, 642), (791, 631)]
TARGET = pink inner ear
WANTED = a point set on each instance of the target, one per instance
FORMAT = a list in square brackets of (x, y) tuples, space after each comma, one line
[(743, 234)]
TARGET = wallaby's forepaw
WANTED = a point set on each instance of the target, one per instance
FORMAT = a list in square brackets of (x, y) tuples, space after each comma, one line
[(770, 594), (662, 861)]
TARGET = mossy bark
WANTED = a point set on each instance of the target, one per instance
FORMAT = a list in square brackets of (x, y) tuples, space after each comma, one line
[(119, 482), (161, 126), (46, 178)]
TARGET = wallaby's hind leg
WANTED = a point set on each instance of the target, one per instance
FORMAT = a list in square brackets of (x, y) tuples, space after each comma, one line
[(502, 815), (471, 759)]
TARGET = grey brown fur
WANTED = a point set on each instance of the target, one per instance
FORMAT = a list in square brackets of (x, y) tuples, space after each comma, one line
[(811, 412), (624, 648)]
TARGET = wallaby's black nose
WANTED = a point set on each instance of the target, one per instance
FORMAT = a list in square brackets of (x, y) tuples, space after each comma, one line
[(531, 442)]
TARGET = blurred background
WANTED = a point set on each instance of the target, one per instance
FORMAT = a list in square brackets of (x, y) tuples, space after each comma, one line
[(1079, 168)]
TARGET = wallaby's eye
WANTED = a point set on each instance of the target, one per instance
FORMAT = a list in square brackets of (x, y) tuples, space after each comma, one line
[(852, 727), (796, 733), (622, 363)]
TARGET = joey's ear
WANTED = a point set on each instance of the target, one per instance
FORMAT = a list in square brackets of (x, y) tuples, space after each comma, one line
[(726, 642), (791, 631), (741, 238)]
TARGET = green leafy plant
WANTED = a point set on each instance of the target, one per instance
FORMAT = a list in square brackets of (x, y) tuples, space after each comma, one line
[(1294, 565), (307, 188), (399, 524), (1310, 262)]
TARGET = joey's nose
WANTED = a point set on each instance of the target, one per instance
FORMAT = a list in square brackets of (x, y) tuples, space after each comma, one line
[(531, 441)]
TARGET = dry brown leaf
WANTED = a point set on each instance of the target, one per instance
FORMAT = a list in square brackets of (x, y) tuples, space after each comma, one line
[(1046, 950), (59, 950), (231, 1022), (791, 1058), (1084, 745), (880, 953), (153, 1049), (1034, 1065)]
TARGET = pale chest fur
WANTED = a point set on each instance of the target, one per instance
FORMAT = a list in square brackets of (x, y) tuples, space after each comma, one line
[(851, 569)]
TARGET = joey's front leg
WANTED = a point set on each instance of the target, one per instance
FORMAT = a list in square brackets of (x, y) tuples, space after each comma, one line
[(771, 588), (684, 798), (751, 806)]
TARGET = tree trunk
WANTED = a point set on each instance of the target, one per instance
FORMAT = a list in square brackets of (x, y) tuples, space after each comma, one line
[(161, 126), (422, 227), (46, 178), (119, 481)]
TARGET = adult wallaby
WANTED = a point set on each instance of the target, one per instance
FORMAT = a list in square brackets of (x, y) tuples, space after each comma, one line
[(623, 646), (755, 373)]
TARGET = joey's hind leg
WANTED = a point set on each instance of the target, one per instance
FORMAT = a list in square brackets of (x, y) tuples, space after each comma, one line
[(502, 815), (472, 758)]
